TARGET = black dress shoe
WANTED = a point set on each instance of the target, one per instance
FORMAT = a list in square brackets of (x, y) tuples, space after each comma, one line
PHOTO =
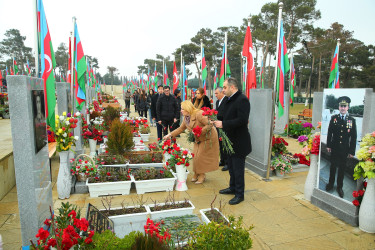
[(226, 191), (329, 187), (225, 168), (340, 192), (236, 200)]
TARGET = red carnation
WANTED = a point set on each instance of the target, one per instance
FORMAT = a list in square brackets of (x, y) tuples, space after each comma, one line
[(361, 192), (355, 194), (356, 203)]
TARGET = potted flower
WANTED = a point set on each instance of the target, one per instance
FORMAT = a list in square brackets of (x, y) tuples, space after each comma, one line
[(145, 159), (92, 131), (366, 169), (178, 161), (82, 167), (109, 182), (278, 146), (167, 146), (126, 218), (170, 208), (65, 124), (281, 166), (152, 180), (145, 132)]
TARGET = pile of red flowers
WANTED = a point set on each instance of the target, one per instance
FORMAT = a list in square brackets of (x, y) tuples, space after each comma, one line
[(51, 134), (279, 145), (179, 156), (154, 231), (210, 113), (168, 146), (92, 133), (75, 233), (315, 145), (197, 131), (302, 159), (358, 195)]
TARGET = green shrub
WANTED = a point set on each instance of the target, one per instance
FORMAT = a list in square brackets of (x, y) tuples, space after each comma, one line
[(221, 236), (110, 115), (109, 241), (120, 139), (147, 242)]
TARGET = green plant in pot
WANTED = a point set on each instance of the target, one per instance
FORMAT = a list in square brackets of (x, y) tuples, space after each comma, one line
[(109, 115), (120, 139)]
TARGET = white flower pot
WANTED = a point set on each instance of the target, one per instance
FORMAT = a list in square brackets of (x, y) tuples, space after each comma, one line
[(92, 143), (166, 157), (109, 188), (310, 182), (205, 219), (64, 179), (367, 208), (170, 212), (145, 137), (278, 174), (126, 223), (137, 139), (157, 185), (181, 178)]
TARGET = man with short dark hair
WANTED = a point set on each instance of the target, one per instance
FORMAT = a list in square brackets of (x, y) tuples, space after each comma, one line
[(220, 103), (341, 143), (154, 100), (235, 122), (167, 110)]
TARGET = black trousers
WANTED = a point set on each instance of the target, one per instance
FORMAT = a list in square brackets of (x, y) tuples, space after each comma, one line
[(167, 125), (338, 160), (127, 104), (223, 156), (143, 113), (159, 129), (236, 166)]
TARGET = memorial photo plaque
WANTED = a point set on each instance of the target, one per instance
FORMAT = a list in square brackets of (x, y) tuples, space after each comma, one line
[(341, 133), (40, 126)]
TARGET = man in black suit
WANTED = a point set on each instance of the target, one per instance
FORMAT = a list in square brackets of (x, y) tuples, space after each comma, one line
[(220, 103), (154, 100), (341, 142), (167, 110), (235, 121)]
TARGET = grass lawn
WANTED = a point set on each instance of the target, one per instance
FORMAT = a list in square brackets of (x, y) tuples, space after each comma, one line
[(297, 108)]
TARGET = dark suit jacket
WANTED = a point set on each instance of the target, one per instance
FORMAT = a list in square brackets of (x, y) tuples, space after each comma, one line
[(220, 109), (342, 135), (154, 100), (235, 121)]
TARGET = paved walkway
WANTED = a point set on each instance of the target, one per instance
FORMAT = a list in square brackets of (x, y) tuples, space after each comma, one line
[(282, 219)]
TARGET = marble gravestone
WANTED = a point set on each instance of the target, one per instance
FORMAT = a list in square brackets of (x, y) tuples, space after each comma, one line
[(259, 127), (64, 103), (282, 121), (317, 109), (30, 149), (339, 207)]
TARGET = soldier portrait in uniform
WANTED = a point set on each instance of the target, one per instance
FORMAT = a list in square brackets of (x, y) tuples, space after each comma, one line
[(342, 118)]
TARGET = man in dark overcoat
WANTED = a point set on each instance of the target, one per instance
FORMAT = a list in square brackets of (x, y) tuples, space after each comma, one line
[(220, 103), (235, 125)]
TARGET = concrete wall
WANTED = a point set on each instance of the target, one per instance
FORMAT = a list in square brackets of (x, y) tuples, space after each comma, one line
[(7, 174)]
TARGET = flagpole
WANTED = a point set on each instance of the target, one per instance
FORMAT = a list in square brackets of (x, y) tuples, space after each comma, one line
[(163, 71), (274, 93), (36, 39), (201, 61), (181, 73), (72, 71), (338, 50)]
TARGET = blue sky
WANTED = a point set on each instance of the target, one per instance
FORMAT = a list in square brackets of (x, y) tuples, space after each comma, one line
[(124, 33)]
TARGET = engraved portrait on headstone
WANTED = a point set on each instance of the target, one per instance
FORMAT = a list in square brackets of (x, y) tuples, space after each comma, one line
[(341, 132), (40, 126)]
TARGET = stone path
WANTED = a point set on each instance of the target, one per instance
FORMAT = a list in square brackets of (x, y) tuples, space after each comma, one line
[(282, 219)]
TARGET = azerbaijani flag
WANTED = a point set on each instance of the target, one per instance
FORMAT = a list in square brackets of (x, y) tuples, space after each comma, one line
[(176, 80), (166, 80), (155, 76), (148, 78), (292, 76), (224, 63), (47, 61), (204, 71), (15, 66), (28, 67), (334, 81), (80, 68), (215, 79), (261, 75), (11, 71), (248, 51), (282, 69)]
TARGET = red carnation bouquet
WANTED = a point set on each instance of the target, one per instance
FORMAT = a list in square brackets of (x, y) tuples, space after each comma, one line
[(197, 131), (212, 116)]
